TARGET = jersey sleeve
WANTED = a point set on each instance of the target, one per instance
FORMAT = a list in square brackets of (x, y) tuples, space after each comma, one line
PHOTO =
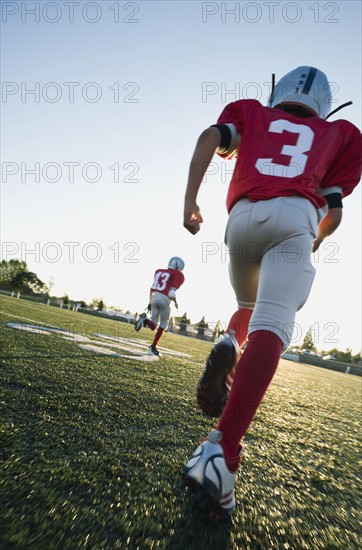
[(231, 118), (177, 280), (231, 113), (345, 172)]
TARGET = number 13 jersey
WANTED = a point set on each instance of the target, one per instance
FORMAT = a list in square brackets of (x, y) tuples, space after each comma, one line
[(165, 279), (282, 155)]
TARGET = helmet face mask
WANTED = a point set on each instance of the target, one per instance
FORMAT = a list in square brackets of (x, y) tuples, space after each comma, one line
[(306, 87), (176, 263)]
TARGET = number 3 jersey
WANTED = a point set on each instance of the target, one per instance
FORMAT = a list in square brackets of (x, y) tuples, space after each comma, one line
[(165, 279), (281, 154)]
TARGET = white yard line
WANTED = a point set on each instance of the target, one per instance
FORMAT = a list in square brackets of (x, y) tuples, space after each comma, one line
[(25, 318)]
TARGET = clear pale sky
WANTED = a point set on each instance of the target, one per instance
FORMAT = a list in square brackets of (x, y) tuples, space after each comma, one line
[(102, 104)]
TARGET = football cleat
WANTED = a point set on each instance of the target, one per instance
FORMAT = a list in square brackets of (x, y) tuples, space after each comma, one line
[(209, 481), (141, 321), (154, 351), (215, 384)]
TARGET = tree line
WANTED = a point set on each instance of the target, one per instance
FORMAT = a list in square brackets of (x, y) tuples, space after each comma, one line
[(15, 275), (343, 356), (200, 327)]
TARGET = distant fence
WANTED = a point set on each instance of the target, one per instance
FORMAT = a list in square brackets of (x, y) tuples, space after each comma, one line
[(191, 331), (347, 368), (30, 297)]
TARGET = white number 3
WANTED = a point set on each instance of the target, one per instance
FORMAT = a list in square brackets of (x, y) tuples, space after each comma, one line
[(298, 159)]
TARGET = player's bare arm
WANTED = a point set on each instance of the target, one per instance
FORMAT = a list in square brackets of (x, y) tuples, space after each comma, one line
[(327, 226), (207, 144), (149, 307)]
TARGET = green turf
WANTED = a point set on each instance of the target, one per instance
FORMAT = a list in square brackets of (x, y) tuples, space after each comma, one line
[(92, 448)]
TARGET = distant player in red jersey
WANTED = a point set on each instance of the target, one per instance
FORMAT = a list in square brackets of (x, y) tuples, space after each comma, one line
[(162, 292), (292, 171)]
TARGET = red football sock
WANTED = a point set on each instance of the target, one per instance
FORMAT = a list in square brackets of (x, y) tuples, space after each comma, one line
[(239, 323), (150, 324), (254, 373), (159, 333)]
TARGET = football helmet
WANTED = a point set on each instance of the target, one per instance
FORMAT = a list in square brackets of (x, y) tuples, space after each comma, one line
[(304, 86), (176, 263)]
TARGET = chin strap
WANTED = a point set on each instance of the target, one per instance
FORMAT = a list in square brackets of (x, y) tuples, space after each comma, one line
[(272, 88), (339, 108)]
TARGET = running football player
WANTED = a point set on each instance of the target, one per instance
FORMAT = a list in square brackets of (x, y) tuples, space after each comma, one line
[(162, 293), (292, 171)]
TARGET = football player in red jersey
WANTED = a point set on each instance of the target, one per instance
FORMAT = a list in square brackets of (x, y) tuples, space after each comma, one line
[(292, 171), (162, 292)]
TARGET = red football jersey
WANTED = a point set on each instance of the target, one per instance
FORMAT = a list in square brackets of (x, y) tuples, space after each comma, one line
[(282, 155), (165, 279)]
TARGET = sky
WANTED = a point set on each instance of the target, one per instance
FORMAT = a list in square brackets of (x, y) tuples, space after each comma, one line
[(102, 104)]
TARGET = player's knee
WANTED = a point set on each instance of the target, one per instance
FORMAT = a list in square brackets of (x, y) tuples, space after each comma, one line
[(284, 331)]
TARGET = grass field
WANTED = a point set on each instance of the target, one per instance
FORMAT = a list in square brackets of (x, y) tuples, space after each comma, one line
[(92, 446)]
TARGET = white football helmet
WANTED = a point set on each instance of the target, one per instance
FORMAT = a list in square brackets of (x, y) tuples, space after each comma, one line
[(304, 86), (176, 263)]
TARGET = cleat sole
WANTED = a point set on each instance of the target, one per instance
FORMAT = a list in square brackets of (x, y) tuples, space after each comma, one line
[(214, 386), (201, 499)]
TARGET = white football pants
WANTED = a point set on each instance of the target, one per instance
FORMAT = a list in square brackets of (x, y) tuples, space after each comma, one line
[(270, 267), (160, 311)]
